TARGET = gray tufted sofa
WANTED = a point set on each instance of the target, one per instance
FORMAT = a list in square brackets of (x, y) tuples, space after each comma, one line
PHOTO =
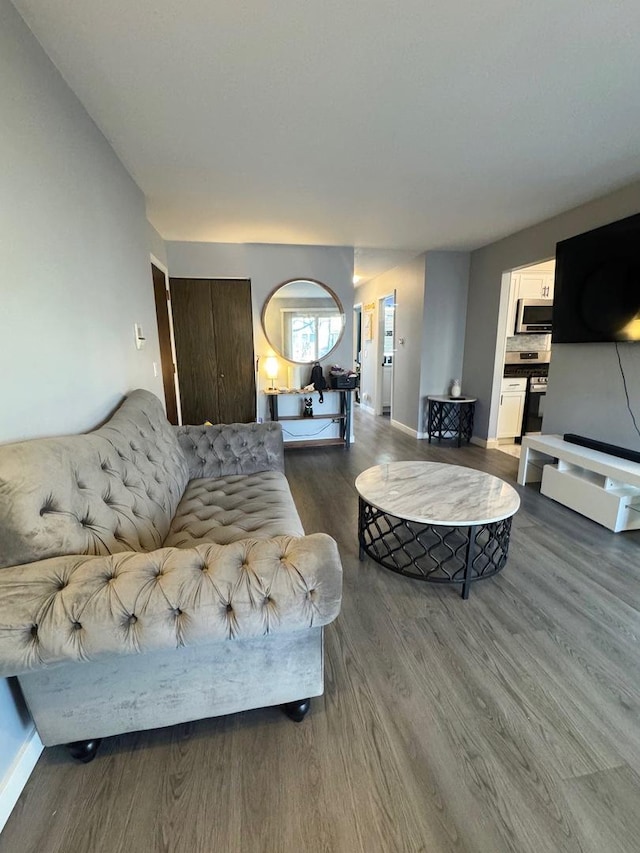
[(152, 574)]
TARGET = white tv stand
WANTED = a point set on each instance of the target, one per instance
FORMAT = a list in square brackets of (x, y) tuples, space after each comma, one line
[(602, 487)]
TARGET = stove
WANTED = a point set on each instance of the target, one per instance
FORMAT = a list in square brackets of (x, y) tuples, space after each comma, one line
[(538, 384), (527, 363), (535, 366)]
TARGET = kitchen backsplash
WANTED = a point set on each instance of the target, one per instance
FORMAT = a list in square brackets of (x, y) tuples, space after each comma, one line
[(528, 343)]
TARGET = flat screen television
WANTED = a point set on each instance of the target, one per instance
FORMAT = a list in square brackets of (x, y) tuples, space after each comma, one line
[(597, 285)]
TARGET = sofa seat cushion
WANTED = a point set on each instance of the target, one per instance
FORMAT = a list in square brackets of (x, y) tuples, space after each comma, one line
[(227, 509)]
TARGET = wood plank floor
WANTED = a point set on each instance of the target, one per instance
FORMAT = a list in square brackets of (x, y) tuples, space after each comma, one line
[(509, 722)]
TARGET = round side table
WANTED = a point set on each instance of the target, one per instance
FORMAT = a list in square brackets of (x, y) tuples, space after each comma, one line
[(451, 417)]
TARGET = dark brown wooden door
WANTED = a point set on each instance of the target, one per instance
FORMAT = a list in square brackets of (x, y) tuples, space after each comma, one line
[(164, 335), (213, 329)]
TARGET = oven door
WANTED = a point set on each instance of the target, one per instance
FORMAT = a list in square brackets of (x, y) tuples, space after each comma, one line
[(534, 407)]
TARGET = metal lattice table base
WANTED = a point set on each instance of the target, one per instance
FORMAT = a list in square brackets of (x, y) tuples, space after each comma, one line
[(450, 420), (433, 553)]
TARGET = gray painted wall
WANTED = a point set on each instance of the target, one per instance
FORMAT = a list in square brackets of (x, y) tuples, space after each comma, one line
[(445, 315), (75, 275), (584, 381), (268, 266), (586, 392)]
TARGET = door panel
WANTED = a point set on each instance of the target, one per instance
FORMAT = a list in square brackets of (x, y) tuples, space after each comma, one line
[(213, 328), (193, 332), (231, 306)]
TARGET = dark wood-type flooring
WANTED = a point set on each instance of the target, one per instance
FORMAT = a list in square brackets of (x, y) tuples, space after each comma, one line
[(509, 722)]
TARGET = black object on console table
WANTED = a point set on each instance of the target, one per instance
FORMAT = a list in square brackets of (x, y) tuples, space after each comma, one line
[(602, 446)]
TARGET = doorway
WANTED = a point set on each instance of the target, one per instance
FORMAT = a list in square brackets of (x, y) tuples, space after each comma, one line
[(386, 351), (521, 362)]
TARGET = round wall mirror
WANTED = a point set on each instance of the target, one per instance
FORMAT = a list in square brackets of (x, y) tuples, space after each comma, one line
[(303, 320)]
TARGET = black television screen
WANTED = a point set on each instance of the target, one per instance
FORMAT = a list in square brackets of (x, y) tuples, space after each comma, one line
[(597, 285)]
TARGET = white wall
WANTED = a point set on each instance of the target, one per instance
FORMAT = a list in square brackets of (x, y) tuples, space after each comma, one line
[(74, 271), (267, 266), (157, 246), (585, 391)]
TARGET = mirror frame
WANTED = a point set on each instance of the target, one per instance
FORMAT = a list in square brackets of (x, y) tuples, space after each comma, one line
[(331, 293)]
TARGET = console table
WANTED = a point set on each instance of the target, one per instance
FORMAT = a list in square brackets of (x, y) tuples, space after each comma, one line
[(450, 417), (604, 488), (343, 417), (435, 522)]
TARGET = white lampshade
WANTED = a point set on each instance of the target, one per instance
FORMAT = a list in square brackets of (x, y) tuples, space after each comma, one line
[(271, 368)]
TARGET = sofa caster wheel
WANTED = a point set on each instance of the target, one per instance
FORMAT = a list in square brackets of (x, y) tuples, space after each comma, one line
[(297, 711), (84, 750)]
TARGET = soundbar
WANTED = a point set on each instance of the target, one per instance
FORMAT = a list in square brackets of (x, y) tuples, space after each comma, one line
[(603, 447)]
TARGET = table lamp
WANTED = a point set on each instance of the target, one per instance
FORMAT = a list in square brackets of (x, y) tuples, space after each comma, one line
[(271, 369)]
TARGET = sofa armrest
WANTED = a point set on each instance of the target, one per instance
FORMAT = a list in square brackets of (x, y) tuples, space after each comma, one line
[(80, 608), (223, 450)]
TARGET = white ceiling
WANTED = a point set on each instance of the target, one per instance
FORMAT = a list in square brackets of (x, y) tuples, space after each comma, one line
[(399, 126)]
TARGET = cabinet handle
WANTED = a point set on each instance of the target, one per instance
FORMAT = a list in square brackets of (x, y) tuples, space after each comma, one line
[(500, 399)]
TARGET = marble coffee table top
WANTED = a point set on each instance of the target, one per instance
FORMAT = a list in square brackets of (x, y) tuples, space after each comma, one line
[(436, 493)]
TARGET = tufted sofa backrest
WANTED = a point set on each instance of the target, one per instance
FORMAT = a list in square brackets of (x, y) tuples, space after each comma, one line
[(221, 450), (114, 489)]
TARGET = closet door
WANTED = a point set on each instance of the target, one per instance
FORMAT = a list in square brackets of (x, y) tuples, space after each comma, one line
[(233, 341), (213, 330)]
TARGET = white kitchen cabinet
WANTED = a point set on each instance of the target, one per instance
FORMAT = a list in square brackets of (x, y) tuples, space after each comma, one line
[(535, 286), (511, 410)]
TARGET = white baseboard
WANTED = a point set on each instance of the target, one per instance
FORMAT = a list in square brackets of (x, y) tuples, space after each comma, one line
[(488, 443), (18, 774), (366, 408), (404, 428)]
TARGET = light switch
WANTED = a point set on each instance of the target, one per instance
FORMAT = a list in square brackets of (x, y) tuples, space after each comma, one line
[(140, 338)]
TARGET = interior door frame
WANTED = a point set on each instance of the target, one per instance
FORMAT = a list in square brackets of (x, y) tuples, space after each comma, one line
[(164, 270), (357, 334)]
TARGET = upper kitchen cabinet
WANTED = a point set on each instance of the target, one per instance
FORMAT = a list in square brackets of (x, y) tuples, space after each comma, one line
[(535, 285)]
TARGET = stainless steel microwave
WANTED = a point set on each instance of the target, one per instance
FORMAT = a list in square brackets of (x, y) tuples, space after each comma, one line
[(534, 316)]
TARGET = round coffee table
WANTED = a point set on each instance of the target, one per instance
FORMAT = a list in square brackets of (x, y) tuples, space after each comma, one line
[(435, 522)]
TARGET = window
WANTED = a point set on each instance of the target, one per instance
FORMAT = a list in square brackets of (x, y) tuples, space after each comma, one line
[(311, 333)]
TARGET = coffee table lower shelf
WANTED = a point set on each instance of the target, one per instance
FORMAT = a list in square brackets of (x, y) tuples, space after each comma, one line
[(433, 553)]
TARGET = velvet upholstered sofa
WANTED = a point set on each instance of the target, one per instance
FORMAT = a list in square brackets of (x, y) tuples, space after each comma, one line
[(152, 574)]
